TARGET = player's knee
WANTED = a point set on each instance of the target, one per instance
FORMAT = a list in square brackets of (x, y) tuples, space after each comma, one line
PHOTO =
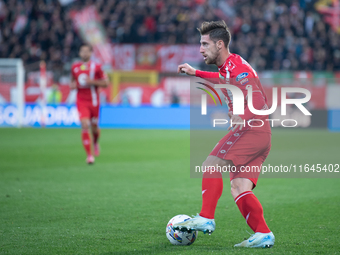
[(85, 125), (213, 161), (212, 167), (94, 127), (206, 163), (234, 191), (240, 185), (209, 166)]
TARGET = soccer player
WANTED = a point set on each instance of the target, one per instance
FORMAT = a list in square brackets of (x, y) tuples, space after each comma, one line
[(87, 77), (243, 146)]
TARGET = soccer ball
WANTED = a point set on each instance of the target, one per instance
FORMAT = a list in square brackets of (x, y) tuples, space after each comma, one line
[(178, 237)]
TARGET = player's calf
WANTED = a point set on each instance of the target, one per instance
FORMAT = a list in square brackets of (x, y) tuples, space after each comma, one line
[(96, 149), (86, 140), (95, 133)]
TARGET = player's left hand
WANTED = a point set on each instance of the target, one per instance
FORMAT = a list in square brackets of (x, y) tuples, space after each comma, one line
[(73, 85), (237, 122), (89, 81)]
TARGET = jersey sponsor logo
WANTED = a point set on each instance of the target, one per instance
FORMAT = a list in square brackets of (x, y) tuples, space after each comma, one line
[(247, 64), (244, 81), (82, 79), (241, 76)]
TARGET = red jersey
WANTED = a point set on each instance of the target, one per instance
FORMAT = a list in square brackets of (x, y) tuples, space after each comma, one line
[(81, 71), (236, 71)]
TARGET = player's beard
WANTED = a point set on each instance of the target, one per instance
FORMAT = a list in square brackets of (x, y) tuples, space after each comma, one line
[(85, 60), (211, 60)]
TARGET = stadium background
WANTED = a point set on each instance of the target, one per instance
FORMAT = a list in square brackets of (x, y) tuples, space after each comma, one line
[(52, 203), (141, 43)]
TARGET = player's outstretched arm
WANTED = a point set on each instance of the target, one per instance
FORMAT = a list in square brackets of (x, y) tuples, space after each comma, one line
[(189, 70), (207, 75)]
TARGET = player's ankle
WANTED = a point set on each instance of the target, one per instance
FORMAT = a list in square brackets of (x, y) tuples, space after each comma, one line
[(205, 217)]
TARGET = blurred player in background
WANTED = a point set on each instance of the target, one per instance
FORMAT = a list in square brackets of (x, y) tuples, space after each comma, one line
[(87, 77), (243, 146)]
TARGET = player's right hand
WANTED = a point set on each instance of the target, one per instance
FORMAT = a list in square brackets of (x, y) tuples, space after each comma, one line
[(73, 85), (187, 69), (236, 122)]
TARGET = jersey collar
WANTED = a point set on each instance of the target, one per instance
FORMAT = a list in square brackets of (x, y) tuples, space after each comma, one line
[(223, 65)]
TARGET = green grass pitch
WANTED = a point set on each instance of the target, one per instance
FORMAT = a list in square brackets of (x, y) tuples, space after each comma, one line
[(51, 202)]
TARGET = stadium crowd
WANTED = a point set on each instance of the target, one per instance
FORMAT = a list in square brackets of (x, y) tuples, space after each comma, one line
[(271, 35)]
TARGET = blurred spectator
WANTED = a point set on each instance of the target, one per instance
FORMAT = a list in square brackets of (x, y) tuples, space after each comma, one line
[(271, 34), (55, 95), (175, 98)]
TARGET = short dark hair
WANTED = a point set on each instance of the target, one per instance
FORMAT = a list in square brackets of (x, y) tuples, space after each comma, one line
[(86, 45), (217, 30)]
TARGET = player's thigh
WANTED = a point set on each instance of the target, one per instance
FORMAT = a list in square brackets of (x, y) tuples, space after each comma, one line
[(242, 147), (84, 111), (85, 123), (214, 167), (94, 110), (216, 161), (250, 171), (84, 115)]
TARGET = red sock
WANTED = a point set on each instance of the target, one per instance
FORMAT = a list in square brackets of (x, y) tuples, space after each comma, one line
[(85, 137), (252, 211), (212, 187), (96, 136)]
